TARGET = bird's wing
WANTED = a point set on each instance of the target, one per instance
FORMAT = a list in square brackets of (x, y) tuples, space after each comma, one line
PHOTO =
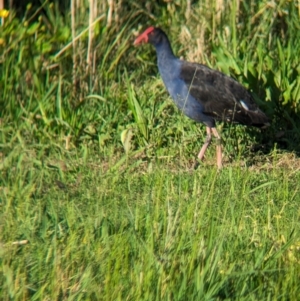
[(220, 95)]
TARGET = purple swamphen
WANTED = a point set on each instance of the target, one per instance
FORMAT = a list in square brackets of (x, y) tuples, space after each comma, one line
[(203, 94)]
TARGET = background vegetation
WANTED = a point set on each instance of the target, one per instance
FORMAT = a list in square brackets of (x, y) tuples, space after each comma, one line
[(98, 200)]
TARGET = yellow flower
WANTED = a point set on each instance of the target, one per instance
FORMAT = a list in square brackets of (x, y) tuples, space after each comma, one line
[(2, 41), (4, 13)]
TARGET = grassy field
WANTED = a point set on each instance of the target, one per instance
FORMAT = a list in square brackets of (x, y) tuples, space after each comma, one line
[(98, 198)]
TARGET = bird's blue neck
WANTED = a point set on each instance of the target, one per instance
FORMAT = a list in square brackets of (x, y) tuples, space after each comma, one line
[(164, 52)]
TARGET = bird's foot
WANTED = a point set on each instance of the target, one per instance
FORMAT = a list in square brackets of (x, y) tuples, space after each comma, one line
[(196, 165)]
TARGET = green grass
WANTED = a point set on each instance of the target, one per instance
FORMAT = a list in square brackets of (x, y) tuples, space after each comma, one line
[(156, 235), (98, 200)]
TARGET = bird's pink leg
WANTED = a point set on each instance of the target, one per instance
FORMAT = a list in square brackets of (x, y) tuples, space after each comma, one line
[(219, 148), (206, 144)]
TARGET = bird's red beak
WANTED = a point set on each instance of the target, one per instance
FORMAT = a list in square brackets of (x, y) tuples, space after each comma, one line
[(143, 38)]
